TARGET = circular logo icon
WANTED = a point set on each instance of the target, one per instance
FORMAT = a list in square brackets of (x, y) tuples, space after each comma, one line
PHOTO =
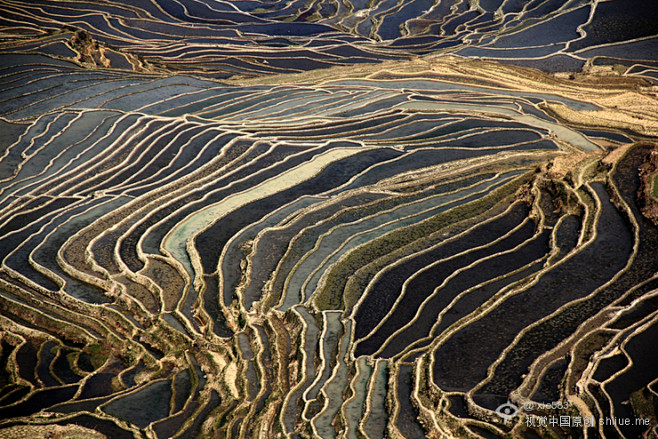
[(507, 411)]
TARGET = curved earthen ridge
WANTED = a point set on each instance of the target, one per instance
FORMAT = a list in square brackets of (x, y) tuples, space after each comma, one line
[(328, 219)]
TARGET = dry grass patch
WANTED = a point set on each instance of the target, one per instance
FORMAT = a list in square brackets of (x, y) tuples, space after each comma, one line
[(50, 432)]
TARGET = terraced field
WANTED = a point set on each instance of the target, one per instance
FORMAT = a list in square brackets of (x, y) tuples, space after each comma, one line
[(333, 219)]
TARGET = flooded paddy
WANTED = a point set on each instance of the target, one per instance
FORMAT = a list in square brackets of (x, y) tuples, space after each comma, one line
[(326, 219)]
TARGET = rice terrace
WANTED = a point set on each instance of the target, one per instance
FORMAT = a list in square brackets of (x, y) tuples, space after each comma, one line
[(350, 219)]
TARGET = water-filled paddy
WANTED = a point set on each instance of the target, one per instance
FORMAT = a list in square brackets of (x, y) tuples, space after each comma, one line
[(182, 225)]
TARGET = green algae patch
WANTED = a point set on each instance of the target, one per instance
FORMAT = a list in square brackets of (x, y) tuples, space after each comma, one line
[(346, 281)]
